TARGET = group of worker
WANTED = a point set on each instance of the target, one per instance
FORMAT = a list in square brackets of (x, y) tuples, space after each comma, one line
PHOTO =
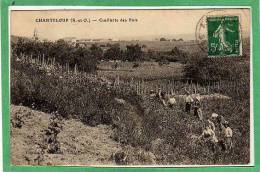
[(209, 133), (213, 126)]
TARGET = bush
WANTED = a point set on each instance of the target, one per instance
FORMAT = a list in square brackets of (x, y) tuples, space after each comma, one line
[(113, 53), (133, 52), (216, 69), (175, 55)]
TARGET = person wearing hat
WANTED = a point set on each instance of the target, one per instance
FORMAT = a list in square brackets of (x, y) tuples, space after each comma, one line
[(188, 102), (152, 93), (162, 96), (220, 120), (209, 137), (214, 115), (197, 108), (228, 134)]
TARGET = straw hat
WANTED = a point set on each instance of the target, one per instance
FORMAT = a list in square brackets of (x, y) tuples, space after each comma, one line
[(214, 115)]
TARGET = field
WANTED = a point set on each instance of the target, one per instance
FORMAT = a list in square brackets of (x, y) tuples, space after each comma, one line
[(157, 45), (145, 70), (140, 129)]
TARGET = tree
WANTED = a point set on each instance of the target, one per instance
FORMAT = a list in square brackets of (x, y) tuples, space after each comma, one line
[(133, 52), (85, 59), (163, 39), (18, 48), (61, 51), (96, 51), (113, 53), (203, 69)]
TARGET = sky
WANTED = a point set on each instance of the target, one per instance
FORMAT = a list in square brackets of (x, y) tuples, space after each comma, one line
[(150, 24)]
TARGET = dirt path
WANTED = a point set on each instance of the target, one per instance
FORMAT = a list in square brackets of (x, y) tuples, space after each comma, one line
[(79, 144)]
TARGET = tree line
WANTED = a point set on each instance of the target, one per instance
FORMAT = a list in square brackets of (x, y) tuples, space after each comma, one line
[(87, 57), (198, 67)]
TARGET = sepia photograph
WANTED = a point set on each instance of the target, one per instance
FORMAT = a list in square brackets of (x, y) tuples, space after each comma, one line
[(131, 87)]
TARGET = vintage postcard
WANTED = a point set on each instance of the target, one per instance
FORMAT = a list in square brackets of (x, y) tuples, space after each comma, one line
[(131, 87)]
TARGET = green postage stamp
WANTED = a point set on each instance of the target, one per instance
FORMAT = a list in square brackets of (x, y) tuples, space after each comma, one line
[(223, 36)]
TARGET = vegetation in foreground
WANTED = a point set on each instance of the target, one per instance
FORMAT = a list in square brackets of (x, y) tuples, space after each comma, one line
[(141, 122)]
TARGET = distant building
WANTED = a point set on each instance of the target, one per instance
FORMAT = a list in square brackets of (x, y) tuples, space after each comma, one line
[(69, 39), (86, 42), (82, 42), (96, 40)]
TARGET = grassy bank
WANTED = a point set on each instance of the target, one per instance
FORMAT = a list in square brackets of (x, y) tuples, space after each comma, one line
[(142, 122)]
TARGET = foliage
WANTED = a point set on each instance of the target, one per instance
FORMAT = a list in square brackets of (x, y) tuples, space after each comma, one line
[(133, 52), (216, 69), (113, 53), (60, 51), (65, 53), (227, 70), (175, 55), (163, 39), (96, 52), (142, 122), (179, 131), (76, 96)]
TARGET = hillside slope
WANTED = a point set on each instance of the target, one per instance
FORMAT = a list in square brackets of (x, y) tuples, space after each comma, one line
[(79, 144)]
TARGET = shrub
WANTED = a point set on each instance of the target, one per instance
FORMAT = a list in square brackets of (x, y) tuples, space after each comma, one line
[(133, 52), (216, 69), (113, 53)]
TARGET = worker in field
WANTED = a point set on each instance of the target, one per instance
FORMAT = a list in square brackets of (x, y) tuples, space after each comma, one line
[(188, 102), (152, 93), (228, 134), (220, 120), (211, 125), (162, 96), (209, 137), (169, 100), (197, 108)]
